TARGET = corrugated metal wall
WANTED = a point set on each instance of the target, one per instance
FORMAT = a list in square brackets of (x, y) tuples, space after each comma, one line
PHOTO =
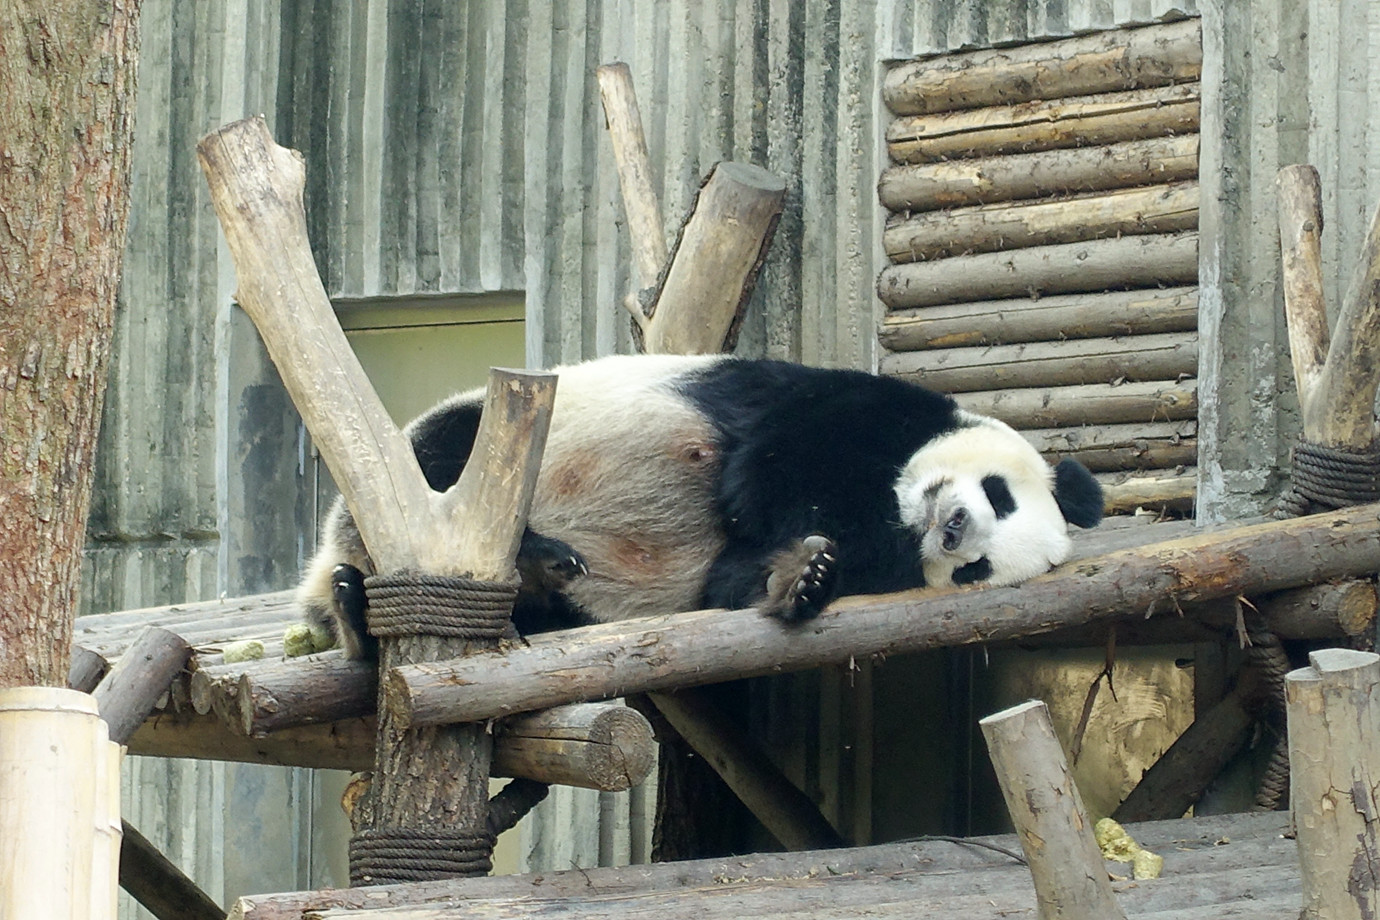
[(458, 147)]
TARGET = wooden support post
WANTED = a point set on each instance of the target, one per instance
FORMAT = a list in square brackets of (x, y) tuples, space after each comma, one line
[(431, 779), (634, 178), (58, 831), (1336, 392), (1334, 758), (713, 646), (786, 812), (1071, 881), (157, 884), (715, 261)]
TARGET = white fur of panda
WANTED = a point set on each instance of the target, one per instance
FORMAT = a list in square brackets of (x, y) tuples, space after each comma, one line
[(673, 483)]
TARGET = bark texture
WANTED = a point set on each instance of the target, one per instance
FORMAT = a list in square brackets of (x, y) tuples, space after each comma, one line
[(66, 123)]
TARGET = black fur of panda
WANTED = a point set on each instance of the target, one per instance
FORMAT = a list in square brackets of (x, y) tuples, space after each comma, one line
[(675, 483)]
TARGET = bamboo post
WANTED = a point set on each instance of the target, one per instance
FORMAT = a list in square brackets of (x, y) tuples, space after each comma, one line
[(1334, 758), (1071, 881), (432, 781), (57, 830)]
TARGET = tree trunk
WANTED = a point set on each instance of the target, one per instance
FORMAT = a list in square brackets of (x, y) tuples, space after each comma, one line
[(68, 68)]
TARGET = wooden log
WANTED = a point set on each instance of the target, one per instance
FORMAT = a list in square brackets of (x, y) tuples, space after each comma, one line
[(300, 691), (131, 690), (1338, 405), (1026, 319), (1010, 177), (87, 669), (1045, 125), (1176, 781), (1300, 232), (640, 203), (1072, 362), (1066, 268), (598, 662), (156, 883), (786, 812), (1056, 834), (54, 784), (1215, 861), (1118, 59), (1104, 448), (1334, 759), (1091, 403), (1042, 222), (594, 745), (344, 745), (1322, 611), (714, 264), (1173, 489)]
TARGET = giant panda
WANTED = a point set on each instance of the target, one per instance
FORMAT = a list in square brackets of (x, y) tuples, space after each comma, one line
[(674, 483)]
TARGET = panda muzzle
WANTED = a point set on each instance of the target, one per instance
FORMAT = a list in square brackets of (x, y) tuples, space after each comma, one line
[(951, 537)]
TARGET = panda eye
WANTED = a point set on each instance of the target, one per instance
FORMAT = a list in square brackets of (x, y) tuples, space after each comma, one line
[(999, 496), (973, 572)]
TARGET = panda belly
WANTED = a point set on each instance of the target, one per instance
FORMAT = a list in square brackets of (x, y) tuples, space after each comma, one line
[(634, 494)]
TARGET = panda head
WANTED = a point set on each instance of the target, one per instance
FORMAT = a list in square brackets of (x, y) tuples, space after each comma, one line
[(986, 507)]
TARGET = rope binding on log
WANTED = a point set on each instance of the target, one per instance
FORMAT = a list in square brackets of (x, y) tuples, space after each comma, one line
[(417, 854), (452, 606), (1327, 478)]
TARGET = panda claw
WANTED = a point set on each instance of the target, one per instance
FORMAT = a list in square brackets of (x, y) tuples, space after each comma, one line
[(801, 580)]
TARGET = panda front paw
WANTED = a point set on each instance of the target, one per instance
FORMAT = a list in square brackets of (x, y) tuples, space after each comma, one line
[(802, 579), (347, 590), (546, 565)]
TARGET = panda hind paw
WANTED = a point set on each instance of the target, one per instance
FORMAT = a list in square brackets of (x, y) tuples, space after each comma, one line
[(801, 580), (547, 564)]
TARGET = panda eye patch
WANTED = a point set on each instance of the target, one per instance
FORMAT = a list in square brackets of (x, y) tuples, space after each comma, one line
[(999, 496)]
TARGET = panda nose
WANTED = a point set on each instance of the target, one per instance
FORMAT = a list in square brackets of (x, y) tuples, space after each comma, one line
[(954, 529)]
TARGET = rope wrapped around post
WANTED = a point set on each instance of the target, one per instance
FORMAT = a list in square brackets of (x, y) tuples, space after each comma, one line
[(460, 607), (1327, 478)]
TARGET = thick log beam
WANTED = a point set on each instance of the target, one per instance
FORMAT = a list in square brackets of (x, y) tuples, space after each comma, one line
[(1071, 881), (1118, 59), (1015, 176), (127, 694), (656, 653), (1064, 268), (1087, 404), (1045, 125), (1042, 222)]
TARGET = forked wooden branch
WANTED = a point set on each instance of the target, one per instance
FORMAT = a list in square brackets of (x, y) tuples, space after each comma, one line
[(1337, 393), (634, 173)]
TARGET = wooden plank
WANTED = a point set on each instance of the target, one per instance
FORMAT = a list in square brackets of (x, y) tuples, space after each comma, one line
[(1039, 319), (1007, 177), (1116, 59), (1096, 265), (599, 662), (1045, 125), (1174, 489), (928, 235), (1087, 404), (1165, 356)]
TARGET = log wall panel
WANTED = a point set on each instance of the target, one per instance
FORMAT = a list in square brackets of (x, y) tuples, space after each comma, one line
[(1043, 247)]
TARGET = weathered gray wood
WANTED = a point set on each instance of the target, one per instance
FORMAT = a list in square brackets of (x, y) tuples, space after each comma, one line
[(1123, 492), (786, 812), (296, 691), (1300, 231), (1100, 119), (344, 745), (1038, 319), (594, 745), (1072, 362), (985, 180), (1042, 222), (129, 692), (1205, 855), (1066, 268), (1117, 59), (87, 669), (156, 883), (1334, 759), (1104, 448), (1055, 831), (714, 646), (714, 264), (1091, 404)]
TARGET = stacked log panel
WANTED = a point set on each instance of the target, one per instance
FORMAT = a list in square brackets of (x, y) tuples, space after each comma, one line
[(1042, 244)]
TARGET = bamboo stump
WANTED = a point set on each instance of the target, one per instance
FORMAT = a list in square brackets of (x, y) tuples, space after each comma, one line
[(1334, 754), (1071, 881)]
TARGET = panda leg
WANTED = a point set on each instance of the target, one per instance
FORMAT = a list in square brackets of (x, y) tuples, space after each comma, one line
[(347, 589), (802, 579), (546, 565)]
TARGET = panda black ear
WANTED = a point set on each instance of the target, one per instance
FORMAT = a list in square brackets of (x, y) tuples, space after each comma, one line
[(1077, 493)]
